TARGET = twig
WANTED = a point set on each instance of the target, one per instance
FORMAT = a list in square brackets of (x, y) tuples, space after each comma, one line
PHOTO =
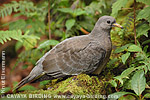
[(49, 19), (84, 31), (134, 22)]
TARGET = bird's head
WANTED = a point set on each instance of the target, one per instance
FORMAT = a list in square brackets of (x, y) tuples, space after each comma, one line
[(106, 23)]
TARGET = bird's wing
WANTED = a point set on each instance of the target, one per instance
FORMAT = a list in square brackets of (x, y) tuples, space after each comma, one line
[(72, 57)]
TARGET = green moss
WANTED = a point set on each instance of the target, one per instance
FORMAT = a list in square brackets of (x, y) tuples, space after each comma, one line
[(77, 85), (81, 84)]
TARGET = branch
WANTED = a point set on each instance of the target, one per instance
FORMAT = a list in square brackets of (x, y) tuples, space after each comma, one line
[(134, 22), (49, 19), (84, 31)]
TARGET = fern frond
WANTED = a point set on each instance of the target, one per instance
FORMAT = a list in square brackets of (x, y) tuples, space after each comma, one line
[(22, 6), (15, 34), (129, 21), (8, 35)]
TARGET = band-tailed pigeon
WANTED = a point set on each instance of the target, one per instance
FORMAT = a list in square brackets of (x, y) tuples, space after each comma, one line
[(79, 54)]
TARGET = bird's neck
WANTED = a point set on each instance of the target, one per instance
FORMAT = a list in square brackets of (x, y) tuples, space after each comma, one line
[(102, 37), (100, 34)]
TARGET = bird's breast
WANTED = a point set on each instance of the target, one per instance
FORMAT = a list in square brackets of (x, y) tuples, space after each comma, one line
[(106, 43)]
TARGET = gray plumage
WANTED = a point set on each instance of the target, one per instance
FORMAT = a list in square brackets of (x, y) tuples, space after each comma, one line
[(79, 54)]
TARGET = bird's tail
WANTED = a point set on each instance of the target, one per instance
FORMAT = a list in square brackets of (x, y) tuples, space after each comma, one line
[(36, 72)]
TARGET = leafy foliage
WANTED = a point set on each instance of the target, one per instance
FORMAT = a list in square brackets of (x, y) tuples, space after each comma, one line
[(70, 23), (74, 13), (135, 57), (17, 35), (144, 1), (117, 6), (48, 43), (125, 57), (118, 95), (144, 14), (138, 80), (143, 30), (21, 6), (7, 35), (70, 18), (96, 7), (138, 85)]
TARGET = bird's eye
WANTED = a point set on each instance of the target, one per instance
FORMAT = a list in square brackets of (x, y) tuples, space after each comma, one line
[(108, 21)]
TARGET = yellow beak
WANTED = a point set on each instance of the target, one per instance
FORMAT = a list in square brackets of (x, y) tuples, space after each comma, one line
[(117, 25)]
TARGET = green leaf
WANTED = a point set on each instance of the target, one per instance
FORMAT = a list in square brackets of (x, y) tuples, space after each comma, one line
[(7, 35), (48, 43), (125, 57), (24, 66), (74, 13), (78, 12), (143, 30), (144, 14), (17, 25), (6, 89), (66, 10), (18, 45), (112, 61), (43, 83), (70, 23), (145, 48), (121, 49), (149, 66), (27, 87), (117, 6), (134, 48), (127, 97), (119, 78), (147, 95), (30, 41), (30, 37), (117, 95), (145, 67), (126, 72), (147, 2), (113, 83), (138, 82), (127, 84), (146, 42), (141, 67)]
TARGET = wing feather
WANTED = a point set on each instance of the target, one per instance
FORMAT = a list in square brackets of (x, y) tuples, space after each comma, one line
[(72, 57)]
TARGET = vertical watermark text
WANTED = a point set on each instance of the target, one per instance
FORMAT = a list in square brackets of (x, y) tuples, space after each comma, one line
[(3, 73)]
